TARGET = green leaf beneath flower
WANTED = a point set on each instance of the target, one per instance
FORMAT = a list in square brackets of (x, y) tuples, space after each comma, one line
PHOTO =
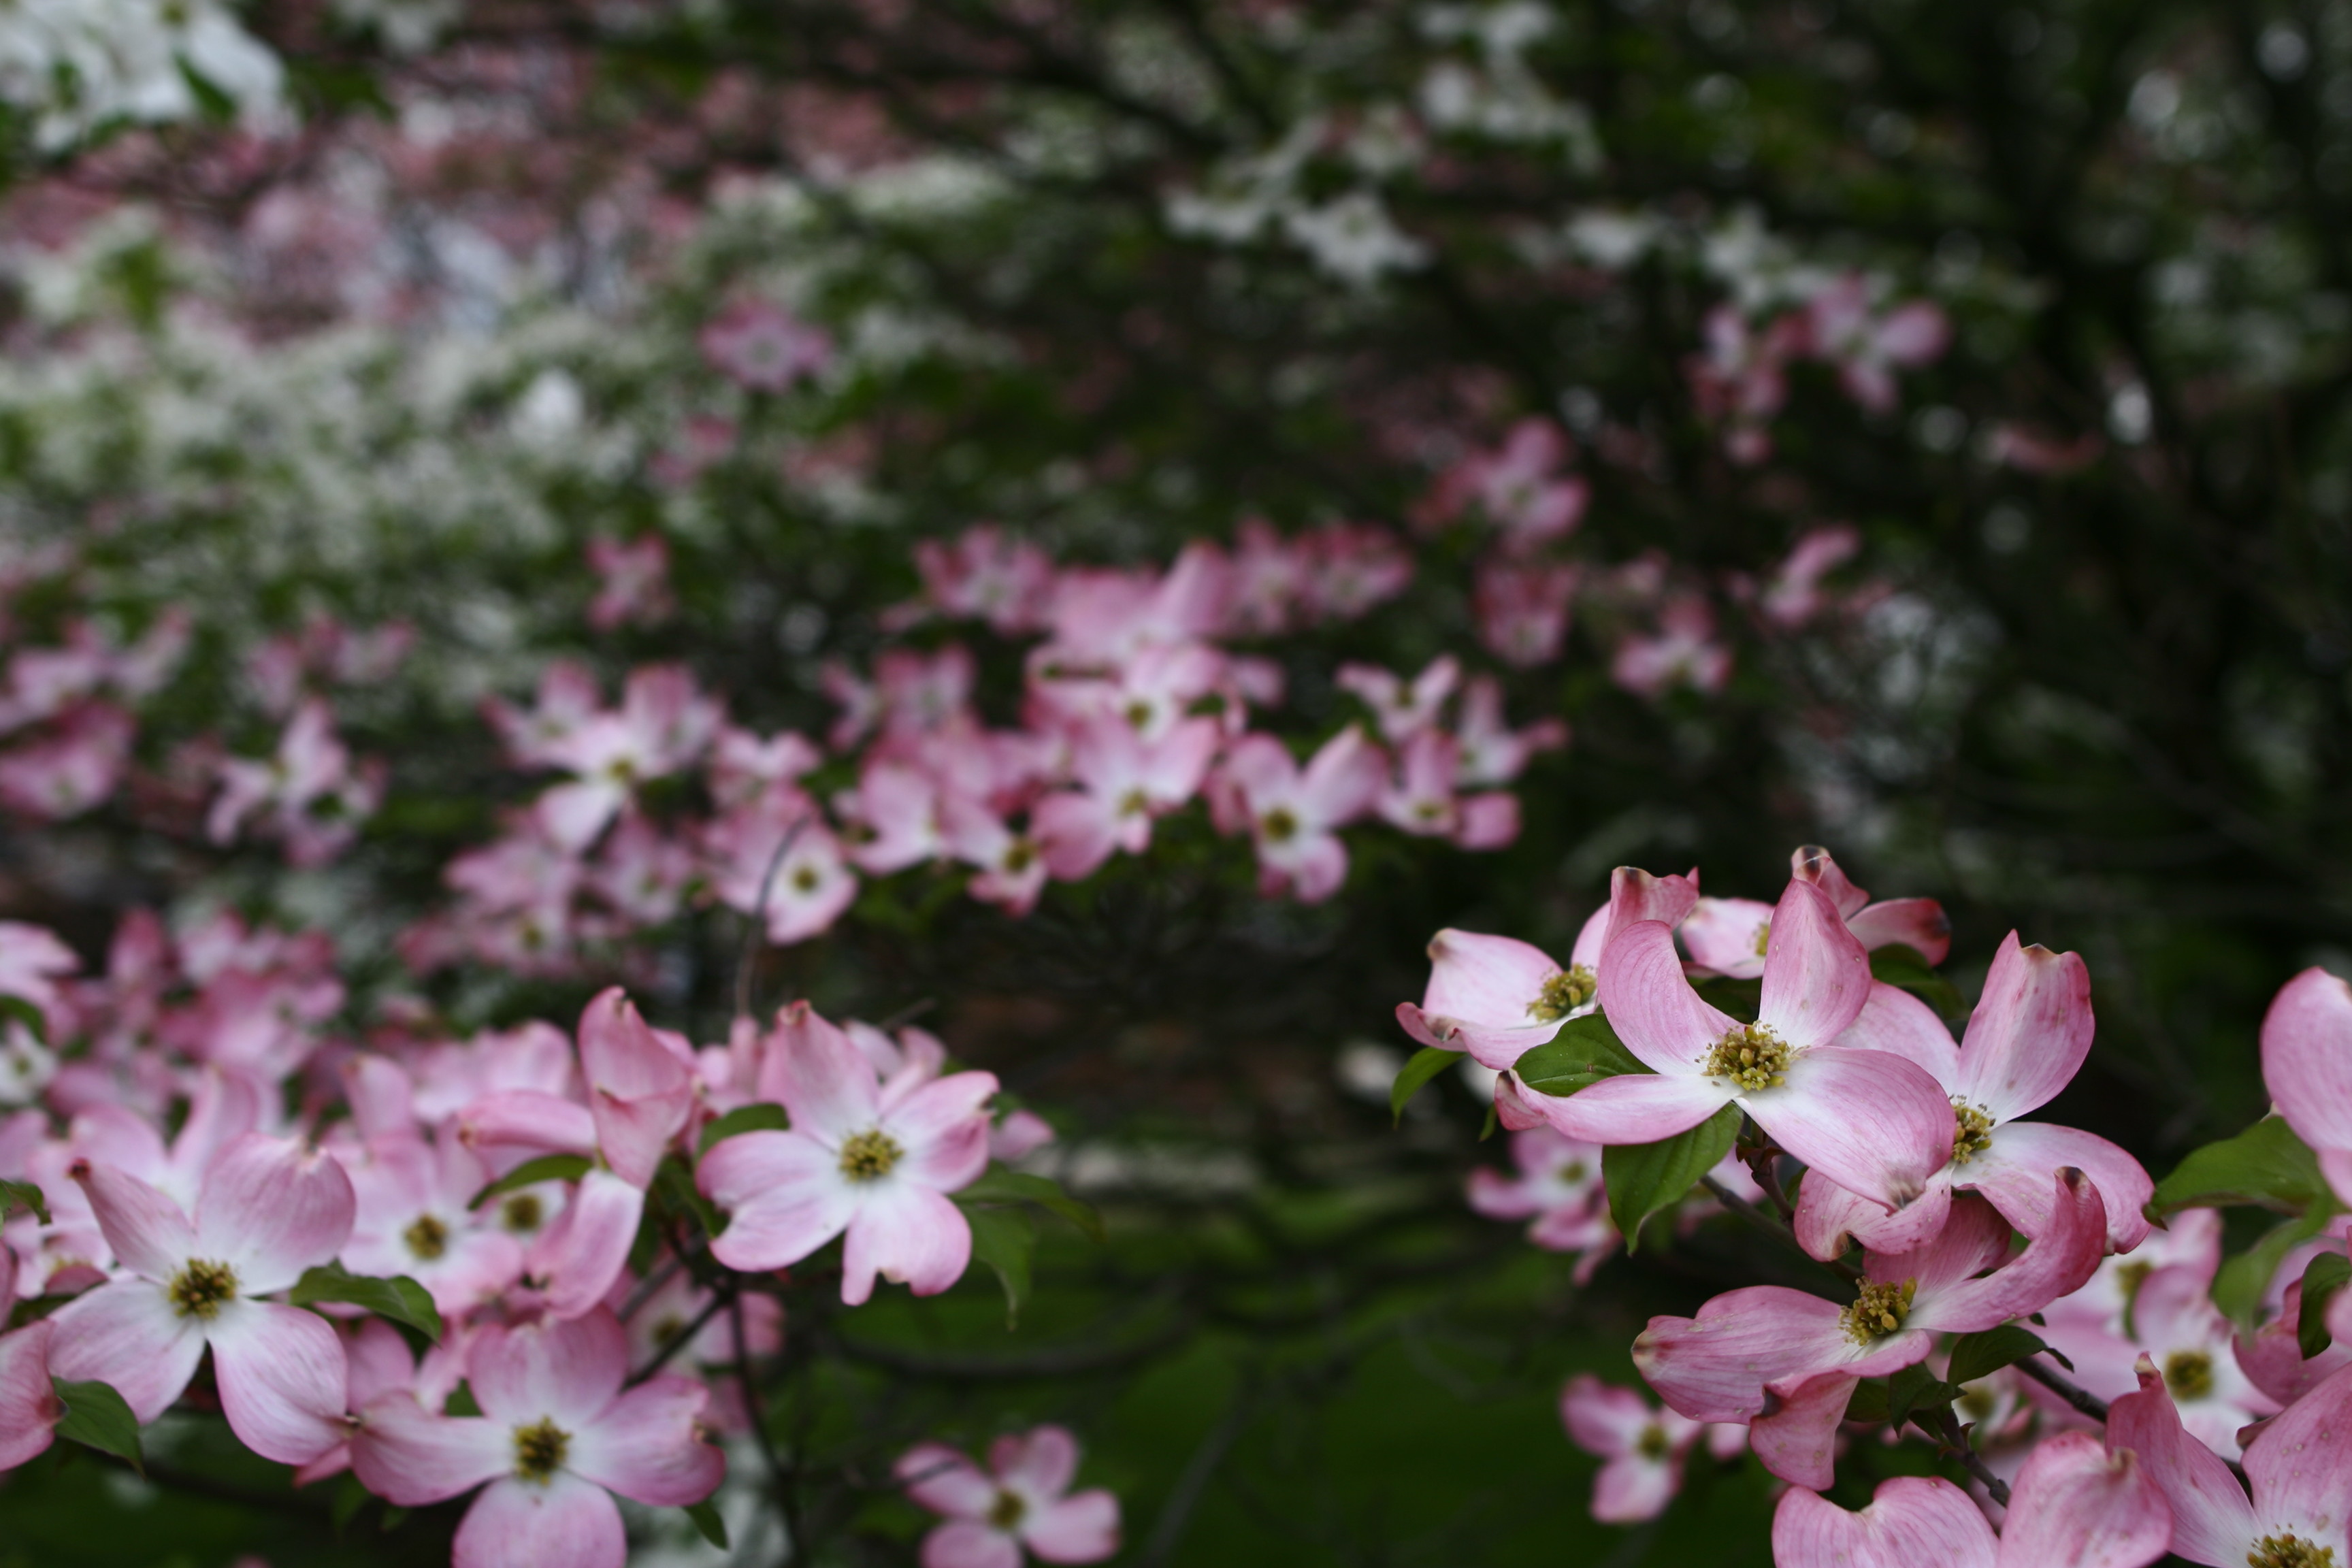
[(16, 1010), (399, 1299), (1983, 1353), (744, 1118), (2242, 1282), (706, 1519), (24, 1195), (998, 1184), (1916, 1389), (97, 1418), (2266, 1164), (1644, 1178), (2328, 1274), (1006, 1239), (1585, 1051), (531, 1173), (1426, 1064)]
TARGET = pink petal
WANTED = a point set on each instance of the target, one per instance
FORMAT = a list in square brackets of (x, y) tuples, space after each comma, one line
[(1714, 1367), (148, 1231), (1341, 780), (28, 1406), (2301, 1464), (2058, 1263), (1631, 1489), (1829, 1218), (786, 1195), (946, 1482), (1873, 1122), (1895, 1021), (1720, 935), (1082, 1528), (966, 1544), (820, 1077), (2015, 1175), (282, 1379), (1912, 1523), (1632, 1108), (1918, 923), (1974, 1237), (1603, 1418), (1818, 868), (943, 1129), (639, 1094), (1652, 1007), (2073, 1506), (271, 1208), (563, 1371), (529, 1118), (1485, 979), (908, 1234), (2212, 1522), (2307, 1057), (648, 1445), (1796, 1436), (129, 1336), (408, 1456), (2030, 1032), (580, 1255), (1042, 1464), (1816, 976), (561, 1523)]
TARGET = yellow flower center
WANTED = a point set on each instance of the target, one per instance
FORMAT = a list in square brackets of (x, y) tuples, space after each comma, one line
[(521, 1213), (1278, 825), (2290, 1551), (540, 1450), (1878, 1311), (198, 1289), (868, 1154), (1007, 1511), (1750, 1055), (805, 878), (1563, 993), (2188, 1374), (1654, 1443), (427, 1239), (1971, 1133), (1763, 937)]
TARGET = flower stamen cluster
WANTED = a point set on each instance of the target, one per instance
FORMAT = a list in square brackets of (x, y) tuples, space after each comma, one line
[(427, 1239), (199, 1289), (2189, 1375), (1878, 1311), (1007, 1511), (2290, 1551), (869, 1155), (1971, 1133), (1563, 993), (1750, 1055), (540, 1450)]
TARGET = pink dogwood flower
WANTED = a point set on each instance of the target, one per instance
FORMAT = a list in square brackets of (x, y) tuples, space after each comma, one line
[(1807, 1070), (2073, 1506), (1683, 652), (1786, 1362), (1867, 346), (2307, 1066), (1020, 1503), (633, 583), (1402, 708), (1792, 594), (268, 1209), (1124, 783), (29, 1410), (870, 1159), (2298, 1467), (1523, 608), (558, 1436), (2173, 1325), (1558, 1188), (1294, 814), (1642, 1448), (2028, 1037), (1730, 936), (760, 346), (1492, 752)]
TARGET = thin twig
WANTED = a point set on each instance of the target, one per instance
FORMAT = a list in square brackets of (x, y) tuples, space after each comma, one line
[(1186, 1497), (1773, 1227), (652, 1286), (724, 1296), (2082, 1399), (757, 922)]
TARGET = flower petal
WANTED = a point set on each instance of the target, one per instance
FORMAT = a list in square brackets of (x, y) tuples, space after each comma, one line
[(1874, 1124), (2301, 1465), (1830, 1219), (1912, 1523), (1632, 1108), (1796, 1436), (1722, 934), (127, 1335), (1041, 1464), (819, 1077), (1714, 1367), (2057, 1263), (578, 1257), (1485, 980), (271, 1208), (555, 1369), (1895, 1021), (149, 1232), (1920, 924), (785, 1193), (946, 1482), (648, 1445), (1081, 1528), (943, 1129), (2212, 1522), (2075, 1506), (283, 1379), (1631, 1489), (1816, 976), (1652, 1007), (2030, 1032), (908, 1234), (2307, 1057), (28, 1406), (563, 1522), (2015, 1175), (966, 1544), (408, 1456)]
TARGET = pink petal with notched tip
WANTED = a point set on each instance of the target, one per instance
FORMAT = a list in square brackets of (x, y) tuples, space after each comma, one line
[(785, 1193), (1720, 935), (149, 1233), (1818, 868), (271, 1208), (1829, 1218), (127, 1335), (946, 1482), (1652, 1009), (1631, 1489), (639, 1093), (28, 1406), (1895, 1021), (223, 1107), (529, 1118), (1796, 1438), (820, 1077), (1912, 1523), (2301, 1466), (2015, 1175), (2212, 1520), (2030, 1032), (2075, 1506), (2056, 1264), (909, 1235), (1632, 1108), (1041, 1464), (283, 1380), (966, 1544), (567, 1372), (647, 1445), (2307, 1057), (580, 1255), (1920, 924), (1082, 1528), (1874, 1124), (942, 1129), (1816, 976), (562, 1523)]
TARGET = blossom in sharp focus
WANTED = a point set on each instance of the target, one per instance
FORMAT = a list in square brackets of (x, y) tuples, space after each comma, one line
[(558, 1436), (1731, 936), (1021, 1502)]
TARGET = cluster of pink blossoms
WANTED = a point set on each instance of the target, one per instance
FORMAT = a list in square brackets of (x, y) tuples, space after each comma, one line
[(1915, 1174), (1740, 379), (506, 1176)]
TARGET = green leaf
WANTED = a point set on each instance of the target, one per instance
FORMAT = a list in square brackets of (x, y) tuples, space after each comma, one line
[(1914, 1389), (2266, 1166), (97, 1418), (531, 1173), (16, 1010), (394, 1518), (1004, 1239), (1983, 1353), (400, 1298), (1585, 1051), (706, 1519), (2329, 1273), (1644, 1178), (1908, 969), (2243, 1281), (1426, 1064), (744, 1118), (350, 1497), (1869, 1401), (26, 1195), (998, 1184)]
